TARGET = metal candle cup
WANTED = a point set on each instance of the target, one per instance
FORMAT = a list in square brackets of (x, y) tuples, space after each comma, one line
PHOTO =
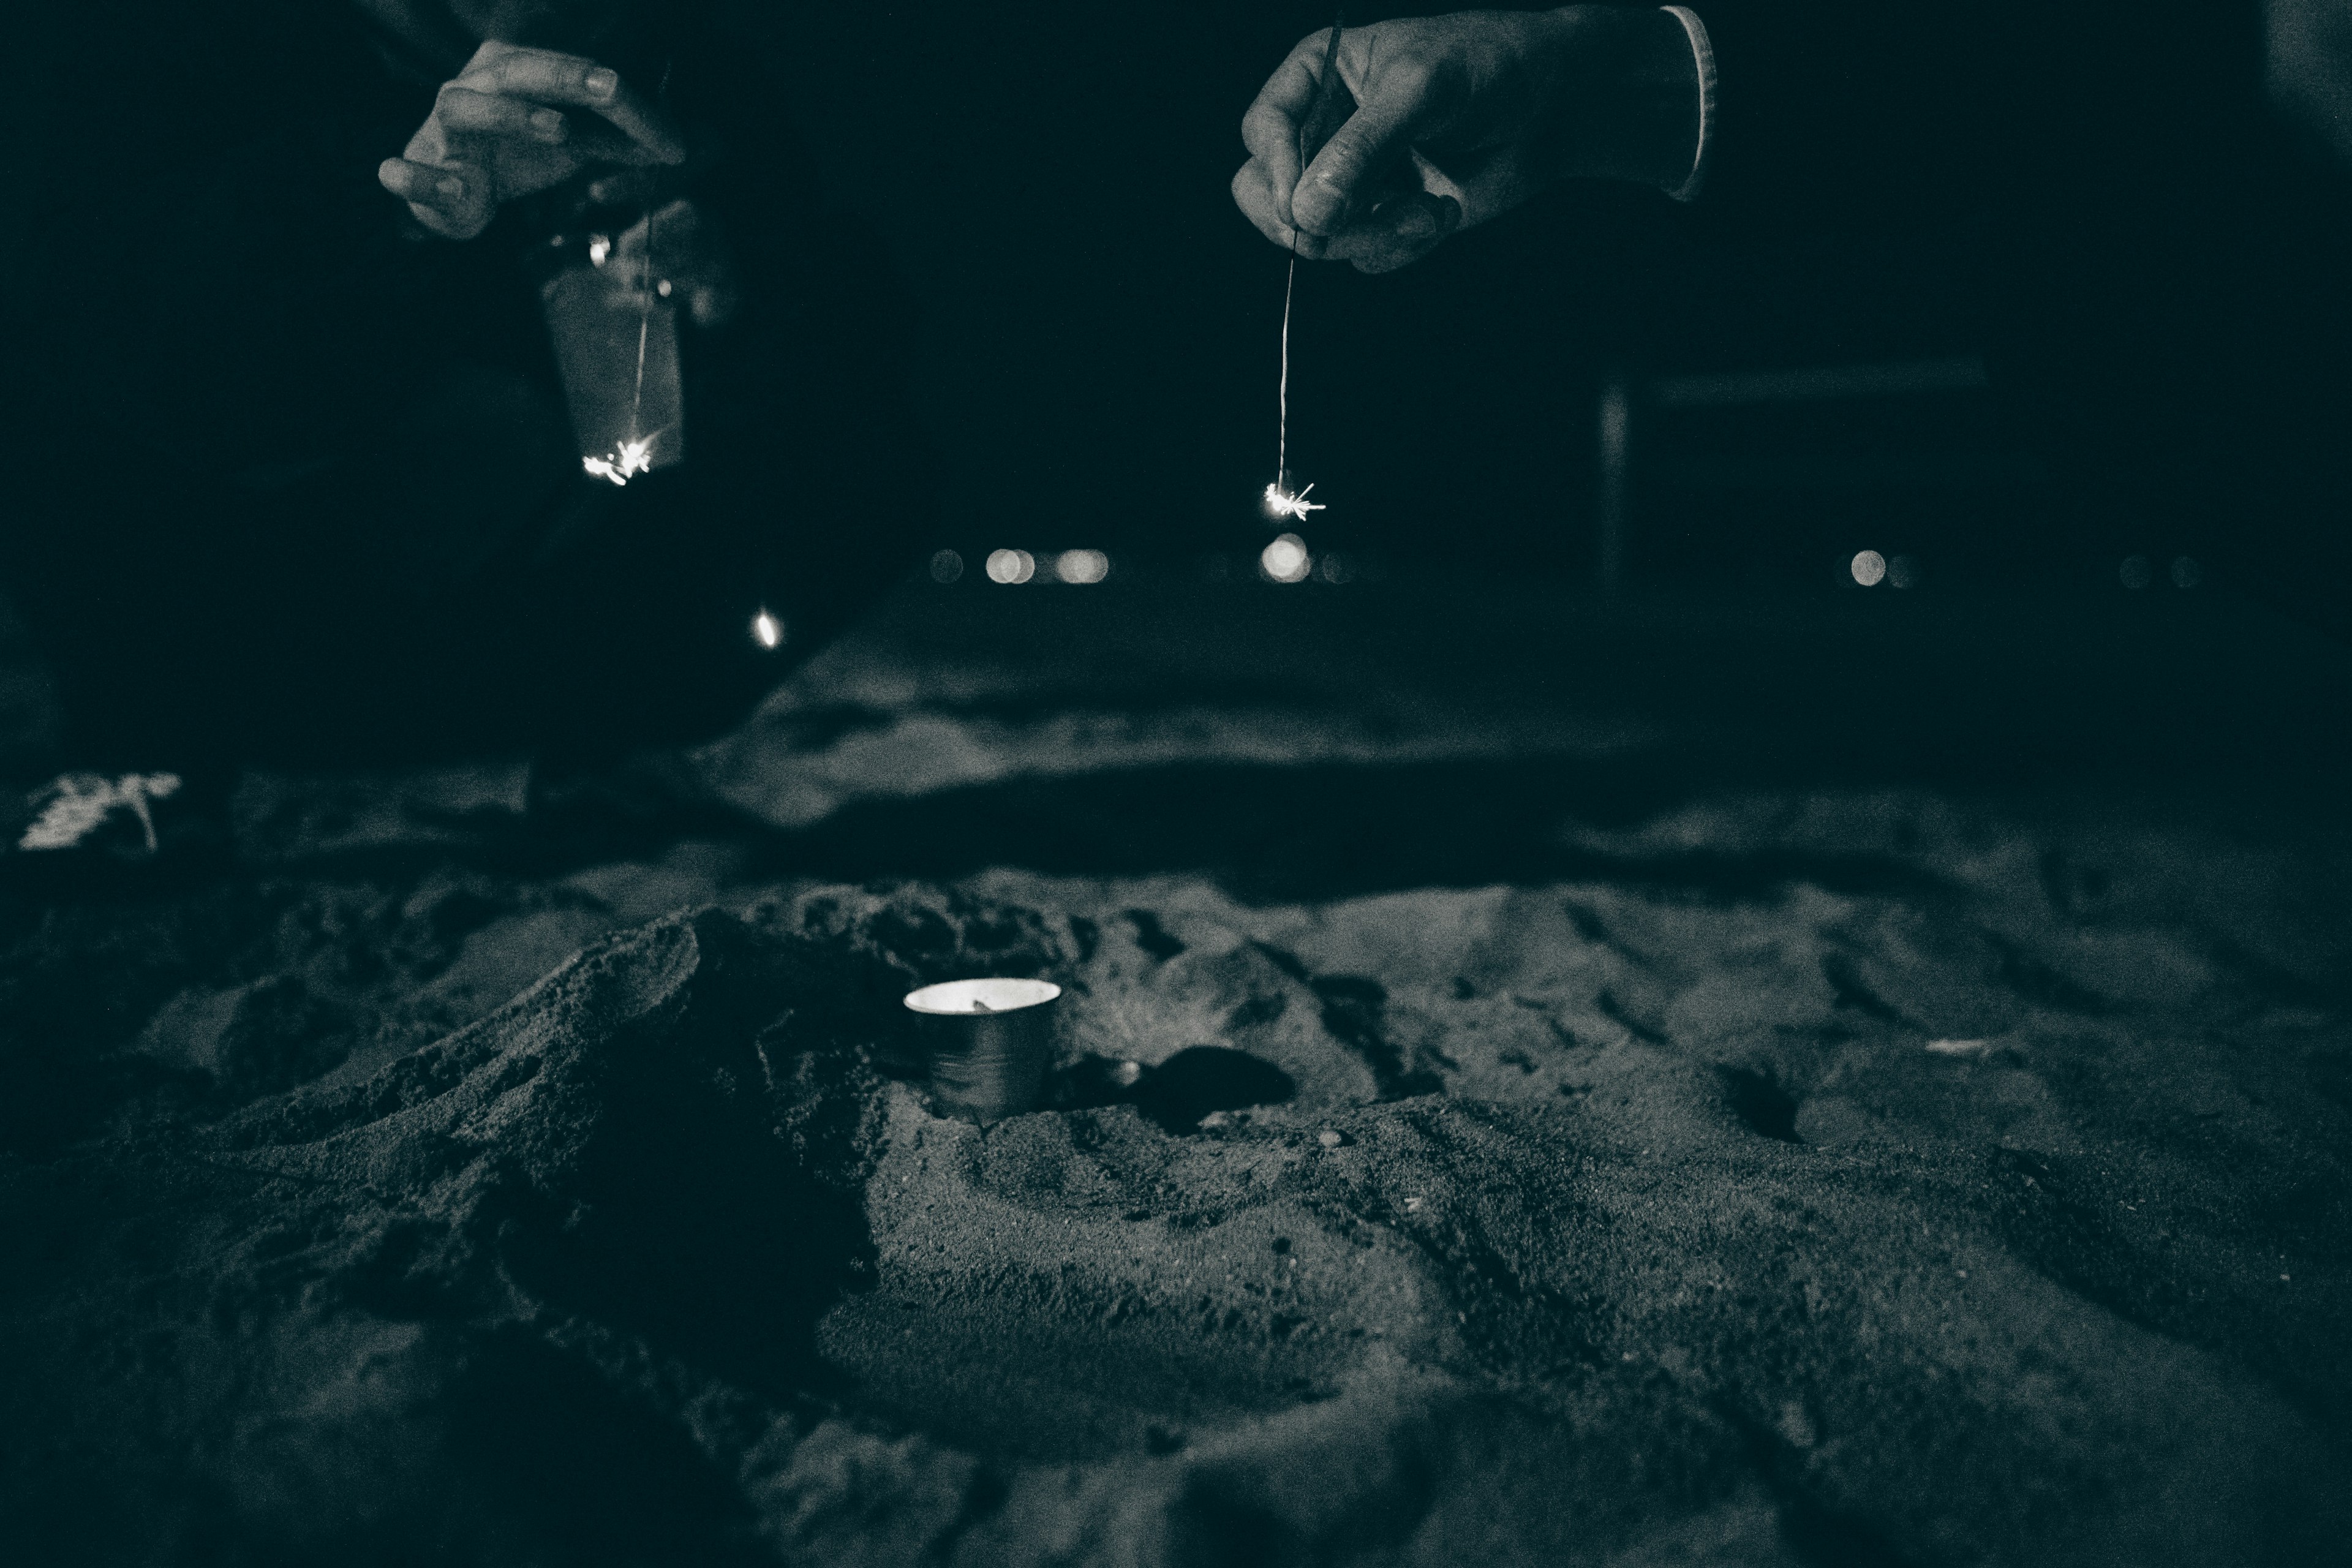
[(986, 1043)]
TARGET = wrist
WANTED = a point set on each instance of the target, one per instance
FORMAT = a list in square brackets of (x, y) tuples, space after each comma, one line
[(1625, 96)]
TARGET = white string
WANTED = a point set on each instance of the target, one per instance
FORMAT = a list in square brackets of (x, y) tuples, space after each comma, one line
[(644, 327), (1282, 427)]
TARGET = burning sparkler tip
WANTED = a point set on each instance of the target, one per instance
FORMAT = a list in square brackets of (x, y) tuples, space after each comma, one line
[(1280, 502), (629, 457)]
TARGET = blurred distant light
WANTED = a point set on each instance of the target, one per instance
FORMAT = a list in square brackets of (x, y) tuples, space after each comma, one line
[(1286, 560), (2186, 571), (1082, 566), (2136, 572), (1336, 568), (1011, 566), (946, 566), (1868, 568), (1902, 571), (600, 245), (767, 630)]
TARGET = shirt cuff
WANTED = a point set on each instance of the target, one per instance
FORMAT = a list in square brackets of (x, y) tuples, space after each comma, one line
[(1704, 53)]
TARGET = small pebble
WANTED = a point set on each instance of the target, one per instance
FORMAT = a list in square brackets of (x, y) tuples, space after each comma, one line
[(1330, 1138), (1216, 1119)]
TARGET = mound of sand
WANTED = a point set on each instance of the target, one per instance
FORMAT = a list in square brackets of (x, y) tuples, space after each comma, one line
[(1586, 1223), (1483, 1132)]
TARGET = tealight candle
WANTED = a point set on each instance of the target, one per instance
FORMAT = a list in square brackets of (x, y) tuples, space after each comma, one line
[(986, 1043)]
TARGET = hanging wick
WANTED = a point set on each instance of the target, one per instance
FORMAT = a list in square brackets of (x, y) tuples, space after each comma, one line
[(1317, 131)]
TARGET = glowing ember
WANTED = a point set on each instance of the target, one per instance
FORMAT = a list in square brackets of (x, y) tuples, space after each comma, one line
[(1280, 502), (769, 630), (629, 457)]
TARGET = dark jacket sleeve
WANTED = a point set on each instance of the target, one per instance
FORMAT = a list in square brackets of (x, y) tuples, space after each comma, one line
[(1852, 114)]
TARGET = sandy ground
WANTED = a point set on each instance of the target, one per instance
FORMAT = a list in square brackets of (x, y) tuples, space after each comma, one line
[(1665, 1085)]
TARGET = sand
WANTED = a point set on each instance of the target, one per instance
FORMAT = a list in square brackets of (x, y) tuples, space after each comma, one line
[(1773, 1171)]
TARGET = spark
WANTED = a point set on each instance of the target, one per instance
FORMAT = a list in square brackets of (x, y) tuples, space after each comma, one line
[(1280, 502), (768, 630), (629, 457)]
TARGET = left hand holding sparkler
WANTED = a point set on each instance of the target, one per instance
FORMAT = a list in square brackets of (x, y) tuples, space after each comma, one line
[(516, 121)]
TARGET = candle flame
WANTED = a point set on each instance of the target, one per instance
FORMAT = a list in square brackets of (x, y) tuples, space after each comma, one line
[(1280, 502), (629, 457), (769, 630)]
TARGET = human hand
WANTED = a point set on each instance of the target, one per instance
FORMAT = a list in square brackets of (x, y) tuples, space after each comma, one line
[(516, 121), (1461, 117)]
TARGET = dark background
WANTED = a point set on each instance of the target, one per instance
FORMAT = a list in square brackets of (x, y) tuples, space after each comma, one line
[(1099, 330), (1100, 324)]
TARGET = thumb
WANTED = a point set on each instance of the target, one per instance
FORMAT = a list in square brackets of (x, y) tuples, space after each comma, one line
[(1396, 112)]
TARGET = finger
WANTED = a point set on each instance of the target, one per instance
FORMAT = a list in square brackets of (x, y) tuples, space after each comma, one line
[(1270, 128), (1254, 194), (573, 82), (1399, 233), (453, 200), (623, 188), (1397, 107), (468, 112)]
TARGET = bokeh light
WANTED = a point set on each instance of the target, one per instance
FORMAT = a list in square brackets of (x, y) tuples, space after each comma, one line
[(1902, 571), (1286, 560), (1869, 568), (2187, 573), (2136, 572), (767, 630), (1011, 566), (1082, 566), (946, 566), (1336, 568)]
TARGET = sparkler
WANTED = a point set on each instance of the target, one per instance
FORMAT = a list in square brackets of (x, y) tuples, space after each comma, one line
[(634, 456), (1319, 124)]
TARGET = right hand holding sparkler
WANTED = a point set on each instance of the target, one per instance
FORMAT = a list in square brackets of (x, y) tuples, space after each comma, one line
[(1461, 117), (516, 121)]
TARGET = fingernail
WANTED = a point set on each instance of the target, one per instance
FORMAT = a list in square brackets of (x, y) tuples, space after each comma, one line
[(547, 122), (451, 188), (602, 82)]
